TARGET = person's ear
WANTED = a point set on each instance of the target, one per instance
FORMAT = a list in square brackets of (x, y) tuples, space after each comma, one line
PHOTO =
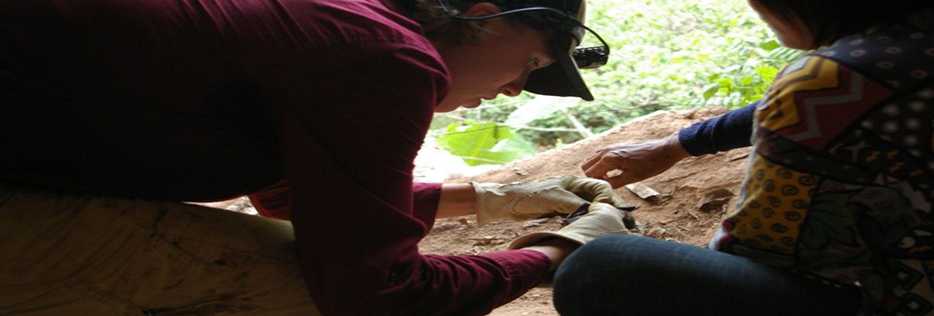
[(481, 9), (476, 31)]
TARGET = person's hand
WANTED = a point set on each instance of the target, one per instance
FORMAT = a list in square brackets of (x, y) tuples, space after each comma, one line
[(600, 220), (635, 162), (534, 199)]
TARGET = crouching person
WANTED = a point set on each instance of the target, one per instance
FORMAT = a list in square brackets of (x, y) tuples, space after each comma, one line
[(118, 112)]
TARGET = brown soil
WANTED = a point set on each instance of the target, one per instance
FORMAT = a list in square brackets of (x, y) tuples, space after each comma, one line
[(694, 195)]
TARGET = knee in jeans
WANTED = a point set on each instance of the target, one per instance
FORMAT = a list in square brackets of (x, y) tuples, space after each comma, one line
[(580, 274), (582, 261)]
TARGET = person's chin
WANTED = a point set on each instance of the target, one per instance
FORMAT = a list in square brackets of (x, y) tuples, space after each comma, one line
[(467, 104), (472, 104)]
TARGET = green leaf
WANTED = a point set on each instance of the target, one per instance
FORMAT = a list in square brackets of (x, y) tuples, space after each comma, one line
[(512, 148), (725, 84), (769, 45), (766, 72), (710, 90), (484, 143), (538, 108)]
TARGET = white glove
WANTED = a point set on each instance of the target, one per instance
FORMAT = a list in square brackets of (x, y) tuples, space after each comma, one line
[(601, 219), (534, 199)]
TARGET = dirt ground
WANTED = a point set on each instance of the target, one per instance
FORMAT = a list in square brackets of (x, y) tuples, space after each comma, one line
[(693, 196)]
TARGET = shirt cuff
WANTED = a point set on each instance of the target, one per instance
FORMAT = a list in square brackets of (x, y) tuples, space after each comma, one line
[(525, 269), (425, 198)]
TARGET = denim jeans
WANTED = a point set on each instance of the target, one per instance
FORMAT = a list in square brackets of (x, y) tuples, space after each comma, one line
[(635, 275)]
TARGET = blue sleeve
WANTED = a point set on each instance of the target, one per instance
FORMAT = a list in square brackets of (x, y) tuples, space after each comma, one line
[(731, 130)]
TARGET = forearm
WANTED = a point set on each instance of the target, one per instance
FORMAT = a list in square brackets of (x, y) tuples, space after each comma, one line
[(457, 199), (426, 285), (556, 249), (377, 261)]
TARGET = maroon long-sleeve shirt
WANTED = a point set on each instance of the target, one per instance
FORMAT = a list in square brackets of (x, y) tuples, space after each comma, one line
[(200, 100)]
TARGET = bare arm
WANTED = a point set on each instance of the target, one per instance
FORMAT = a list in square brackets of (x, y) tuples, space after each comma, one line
[(457, 199)]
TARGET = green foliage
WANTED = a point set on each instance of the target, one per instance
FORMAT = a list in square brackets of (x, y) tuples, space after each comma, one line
[(666, 54), (745, 83), (484, 143)]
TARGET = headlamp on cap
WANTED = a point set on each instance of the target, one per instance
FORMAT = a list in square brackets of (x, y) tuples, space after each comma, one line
[(585, 57), (562, 77)]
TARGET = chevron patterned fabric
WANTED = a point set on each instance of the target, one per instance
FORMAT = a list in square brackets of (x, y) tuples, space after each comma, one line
[(841, 180)]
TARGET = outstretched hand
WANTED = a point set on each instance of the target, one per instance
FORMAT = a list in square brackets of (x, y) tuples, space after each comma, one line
[(634, 161)]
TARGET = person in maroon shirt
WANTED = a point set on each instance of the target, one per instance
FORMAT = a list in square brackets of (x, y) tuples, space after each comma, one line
[(117, 111)]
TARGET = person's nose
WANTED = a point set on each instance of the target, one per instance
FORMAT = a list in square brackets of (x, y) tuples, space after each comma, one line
[(515, 87)]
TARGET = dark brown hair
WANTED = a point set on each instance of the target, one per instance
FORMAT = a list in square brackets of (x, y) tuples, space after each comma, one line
[(829, 20), (439, 25)]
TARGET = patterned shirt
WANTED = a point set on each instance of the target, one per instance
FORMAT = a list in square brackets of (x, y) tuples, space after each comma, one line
[(841, 180)]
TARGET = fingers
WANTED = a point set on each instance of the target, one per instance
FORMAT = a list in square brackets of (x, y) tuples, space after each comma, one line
[(610, 196), (607, 160), (621, 203), (599, 169), (571, 203), (588, 188), (594, 159), (604, 166), (608, 210), (596, 190), (563, 203)]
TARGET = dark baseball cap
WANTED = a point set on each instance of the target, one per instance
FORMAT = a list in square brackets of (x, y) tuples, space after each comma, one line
[(563, 78)]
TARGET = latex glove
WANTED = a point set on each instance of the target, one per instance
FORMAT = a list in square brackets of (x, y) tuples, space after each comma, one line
[(534, 199), (636, 162), (601, 219)]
